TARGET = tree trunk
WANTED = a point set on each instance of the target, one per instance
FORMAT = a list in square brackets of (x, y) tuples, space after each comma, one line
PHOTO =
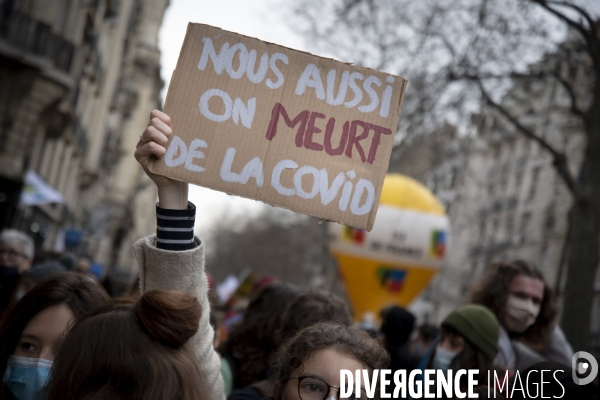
[(582, 262), (584, 240)]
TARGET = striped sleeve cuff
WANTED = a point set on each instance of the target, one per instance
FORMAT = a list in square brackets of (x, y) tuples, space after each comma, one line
[(175, 228)]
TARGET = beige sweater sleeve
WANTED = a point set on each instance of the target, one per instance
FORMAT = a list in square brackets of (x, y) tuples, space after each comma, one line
[(183, 271)]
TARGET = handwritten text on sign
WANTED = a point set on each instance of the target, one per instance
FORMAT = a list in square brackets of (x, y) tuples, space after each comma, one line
[(262, 121)]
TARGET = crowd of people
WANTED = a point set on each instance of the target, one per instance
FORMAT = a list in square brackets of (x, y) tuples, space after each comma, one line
[(62, 336)]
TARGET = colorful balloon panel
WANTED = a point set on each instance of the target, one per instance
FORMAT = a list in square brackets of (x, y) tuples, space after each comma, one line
[(372, 285), (394, 262), (398, 236)]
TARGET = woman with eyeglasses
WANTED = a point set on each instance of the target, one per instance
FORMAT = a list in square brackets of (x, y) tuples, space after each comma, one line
[(308, 365)]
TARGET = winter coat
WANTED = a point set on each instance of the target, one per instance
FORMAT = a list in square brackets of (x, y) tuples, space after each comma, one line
[(184, 271), (558, 350), (514, 355)]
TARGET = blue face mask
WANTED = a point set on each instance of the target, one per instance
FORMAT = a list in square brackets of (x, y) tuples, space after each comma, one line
[(26, 377), (443, 358)]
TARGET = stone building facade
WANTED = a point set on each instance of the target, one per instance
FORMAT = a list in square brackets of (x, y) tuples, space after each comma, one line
[(503, 195), (78, 81)]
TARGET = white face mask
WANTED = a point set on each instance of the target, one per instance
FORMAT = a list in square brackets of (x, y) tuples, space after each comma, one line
[(443, 358), (520, 314)]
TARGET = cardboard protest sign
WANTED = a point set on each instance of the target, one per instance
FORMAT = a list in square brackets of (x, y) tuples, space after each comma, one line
[(265, 122)]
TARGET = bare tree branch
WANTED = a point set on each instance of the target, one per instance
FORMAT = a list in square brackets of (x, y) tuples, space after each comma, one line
[(580, 10), (588, 35), (566, 85), (541, 75), (559, 159), (349, 6), (466, 44), (569, 88)]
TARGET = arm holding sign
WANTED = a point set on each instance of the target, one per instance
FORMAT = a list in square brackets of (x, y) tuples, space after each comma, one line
[(174, 259), (172, 194)]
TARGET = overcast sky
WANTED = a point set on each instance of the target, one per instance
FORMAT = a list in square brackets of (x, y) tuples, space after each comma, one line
[(249, 17), (263, 19)]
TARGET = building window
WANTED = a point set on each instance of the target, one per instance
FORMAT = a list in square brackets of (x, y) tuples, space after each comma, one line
[(510, 226), (431, 183), (518, 180), (511, 149), (535, 176), (549, 217), (112, 9), (495, 228), (496, 153), (523, 232), (526, 147), (543, 256), (451, 178), (503, 185)]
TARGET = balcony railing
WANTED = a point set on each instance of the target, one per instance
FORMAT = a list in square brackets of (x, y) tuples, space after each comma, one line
[(36, 37)]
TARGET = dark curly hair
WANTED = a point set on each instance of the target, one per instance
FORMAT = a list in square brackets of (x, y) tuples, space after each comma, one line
[(492, 292), (350, 341), (311, 308), (252, 342)]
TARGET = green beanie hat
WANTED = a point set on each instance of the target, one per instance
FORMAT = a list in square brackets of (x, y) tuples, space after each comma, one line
[(478, 325)]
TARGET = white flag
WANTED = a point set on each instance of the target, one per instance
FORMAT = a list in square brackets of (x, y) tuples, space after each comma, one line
[(36, 191)]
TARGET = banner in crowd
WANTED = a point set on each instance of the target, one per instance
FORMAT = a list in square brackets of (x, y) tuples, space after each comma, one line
[(266, 122)]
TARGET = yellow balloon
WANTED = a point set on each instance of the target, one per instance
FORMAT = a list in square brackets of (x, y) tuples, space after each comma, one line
[(397, 259), (404, 192)]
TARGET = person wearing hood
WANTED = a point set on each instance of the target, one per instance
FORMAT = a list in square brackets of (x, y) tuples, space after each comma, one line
[(397, 326), (427, 335), (518, 295)]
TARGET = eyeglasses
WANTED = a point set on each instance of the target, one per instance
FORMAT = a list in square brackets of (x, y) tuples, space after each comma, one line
[(11, 253), (312, 388)]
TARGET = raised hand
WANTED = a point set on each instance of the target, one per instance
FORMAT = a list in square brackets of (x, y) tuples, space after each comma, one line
[(152, 144)]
